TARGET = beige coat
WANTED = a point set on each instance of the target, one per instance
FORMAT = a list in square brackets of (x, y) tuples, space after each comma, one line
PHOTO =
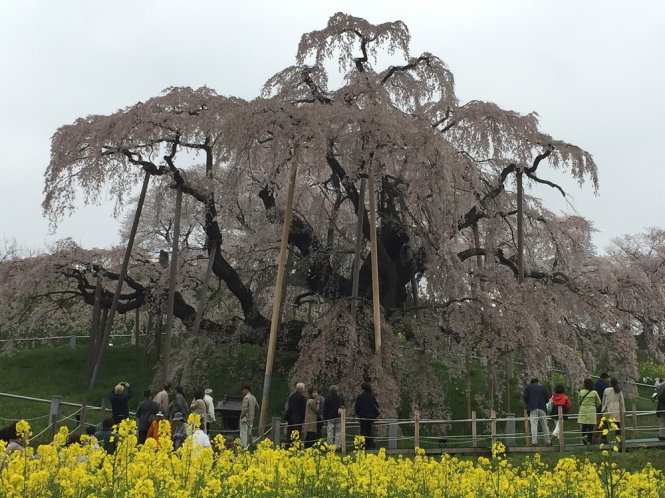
[(199, 407), (248, 408), (311, 411), (612, 403)]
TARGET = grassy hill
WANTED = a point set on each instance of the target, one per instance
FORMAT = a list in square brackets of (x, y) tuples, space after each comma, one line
[(46, 371)]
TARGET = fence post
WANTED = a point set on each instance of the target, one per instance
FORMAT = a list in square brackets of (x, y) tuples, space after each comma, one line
[(634, 420), (72, 342), (474, 430), (560, 421), (342, 414), (622, 419), (493, 426), (392, 434), (81, 416), (54, 414), (510, 429), (276, 432), (416, 429), (527, 431)]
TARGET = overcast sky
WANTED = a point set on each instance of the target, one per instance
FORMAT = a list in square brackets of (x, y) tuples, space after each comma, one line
[(593, 70)]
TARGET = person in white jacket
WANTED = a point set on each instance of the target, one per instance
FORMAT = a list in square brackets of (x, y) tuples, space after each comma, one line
[(210, 418), (613, 405)]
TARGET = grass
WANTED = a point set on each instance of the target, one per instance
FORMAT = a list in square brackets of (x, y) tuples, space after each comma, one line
[(42, 372), (46, 371)]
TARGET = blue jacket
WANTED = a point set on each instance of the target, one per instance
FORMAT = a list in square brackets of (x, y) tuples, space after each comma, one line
[(536, 397)]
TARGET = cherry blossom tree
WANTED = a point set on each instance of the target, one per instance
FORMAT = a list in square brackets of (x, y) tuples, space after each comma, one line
[(447, 237)]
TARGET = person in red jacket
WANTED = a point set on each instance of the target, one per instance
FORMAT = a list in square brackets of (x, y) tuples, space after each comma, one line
[(559, 399)]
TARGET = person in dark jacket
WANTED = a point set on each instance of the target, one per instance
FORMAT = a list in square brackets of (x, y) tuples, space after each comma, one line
[(367, 410), (660, 411), (295, 412), (535, 397), (146, 408), (600, 386), (120, 397), (105, 437), (331, 412), (179, 404)]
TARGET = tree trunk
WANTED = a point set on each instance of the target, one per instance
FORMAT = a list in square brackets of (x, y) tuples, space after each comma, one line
[(121, 279), (201, 305), (166, 357)]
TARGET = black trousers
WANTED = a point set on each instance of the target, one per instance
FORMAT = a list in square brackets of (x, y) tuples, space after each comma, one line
[(289, 432), (366, 430), (142, 436)]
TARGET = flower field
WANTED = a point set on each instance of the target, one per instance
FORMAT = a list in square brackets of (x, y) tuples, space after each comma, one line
[(81, 470)]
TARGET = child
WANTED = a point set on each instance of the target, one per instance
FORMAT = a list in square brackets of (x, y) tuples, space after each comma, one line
[(559, 399)]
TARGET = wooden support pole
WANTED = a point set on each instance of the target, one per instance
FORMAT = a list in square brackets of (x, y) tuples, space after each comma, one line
[(375, 264), (121, 279), (342, 432), (520, 228), (560, 419), (277, 300), (358, 248), (493, 427), (622, 421), (634, 417), (527, 432), (416, 429), (166, 356), (276, 431), (474, 429)]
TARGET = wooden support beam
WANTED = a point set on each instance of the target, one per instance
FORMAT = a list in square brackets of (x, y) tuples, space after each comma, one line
[(375, 264), (166, 355), (277, 300)]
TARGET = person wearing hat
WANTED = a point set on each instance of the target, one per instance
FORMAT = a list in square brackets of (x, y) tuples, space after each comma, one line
[(207, 397), (145, 410), (178, 429), (153, 431)]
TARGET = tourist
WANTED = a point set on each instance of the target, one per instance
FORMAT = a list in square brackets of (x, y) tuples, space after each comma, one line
[(331, 412), (179, 404), (612, 406), (589, 404), (559, 399), (105, 436), (536, 396), (153, 430), (600, 386), (199, 406), (367, 410), (207, 397), (162, 398), (247, 412), (10, 436), (660, 412), (178, 430), (659, 382), (146, 408), (200, 439), (120, 397), (295, 413), (319, 417), (310, 424)]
